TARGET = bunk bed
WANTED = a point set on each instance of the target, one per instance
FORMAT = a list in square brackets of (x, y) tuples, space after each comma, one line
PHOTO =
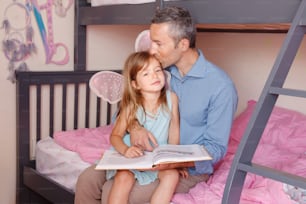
[(210, 15)]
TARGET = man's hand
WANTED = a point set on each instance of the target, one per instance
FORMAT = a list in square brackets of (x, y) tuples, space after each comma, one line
[(183, 172), (142, 138)]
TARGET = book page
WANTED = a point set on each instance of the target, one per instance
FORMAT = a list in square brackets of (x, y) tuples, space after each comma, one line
[(114, 160), (162, 154), (180, 153)]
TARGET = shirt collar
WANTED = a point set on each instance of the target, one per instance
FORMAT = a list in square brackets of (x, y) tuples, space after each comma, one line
[(197, 70)]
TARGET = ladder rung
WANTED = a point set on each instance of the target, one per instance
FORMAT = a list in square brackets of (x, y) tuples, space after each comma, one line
[(288, 92), (273, 174)]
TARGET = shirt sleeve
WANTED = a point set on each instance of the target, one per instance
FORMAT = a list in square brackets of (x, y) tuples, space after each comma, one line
[(219, 122)]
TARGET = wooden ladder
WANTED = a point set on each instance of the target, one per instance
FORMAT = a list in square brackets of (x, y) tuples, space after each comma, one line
[(242, 162)]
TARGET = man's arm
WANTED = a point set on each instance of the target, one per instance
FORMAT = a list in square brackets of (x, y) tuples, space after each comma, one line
[(141, 137), (173, 165), (174, 127)]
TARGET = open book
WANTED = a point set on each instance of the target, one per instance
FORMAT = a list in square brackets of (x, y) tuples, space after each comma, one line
[(111, 159)]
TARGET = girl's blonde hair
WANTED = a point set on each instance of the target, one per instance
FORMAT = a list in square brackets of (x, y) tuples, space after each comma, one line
[(132, 98)]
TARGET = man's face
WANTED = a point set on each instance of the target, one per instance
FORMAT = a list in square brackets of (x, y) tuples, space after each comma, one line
[(163, 46)]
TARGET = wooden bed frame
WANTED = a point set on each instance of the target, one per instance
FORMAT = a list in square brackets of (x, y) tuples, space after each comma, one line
[(32, 187), (210, 15)]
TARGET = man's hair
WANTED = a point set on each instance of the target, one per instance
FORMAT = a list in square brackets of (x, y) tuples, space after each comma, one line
[(180, 21)]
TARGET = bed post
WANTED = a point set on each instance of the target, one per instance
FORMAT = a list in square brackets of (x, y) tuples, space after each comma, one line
[(79, 38), (159, 4), (23, 194)]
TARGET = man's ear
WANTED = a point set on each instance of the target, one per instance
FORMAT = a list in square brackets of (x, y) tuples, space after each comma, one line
[(184, 44)]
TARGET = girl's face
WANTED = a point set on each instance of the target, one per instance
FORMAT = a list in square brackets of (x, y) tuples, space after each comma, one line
[(150, 78)]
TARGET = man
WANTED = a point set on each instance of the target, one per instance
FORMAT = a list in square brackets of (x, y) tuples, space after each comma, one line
[(207, 104)]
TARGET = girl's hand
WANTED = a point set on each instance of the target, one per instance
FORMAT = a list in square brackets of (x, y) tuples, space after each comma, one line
[(133, 151)]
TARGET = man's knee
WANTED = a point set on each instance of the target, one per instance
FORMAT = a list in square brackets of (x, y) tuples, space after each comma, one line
[(91, 176), (89, 186), (106, 190)]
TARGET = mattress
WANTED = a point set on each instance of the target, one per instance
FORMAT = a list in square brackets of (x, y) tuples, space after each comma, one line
[(58, 163), (116, 2)]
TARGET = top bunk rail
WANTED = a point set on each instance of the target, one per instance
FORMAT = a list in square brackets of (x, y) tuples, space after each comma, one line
[(204, 12)]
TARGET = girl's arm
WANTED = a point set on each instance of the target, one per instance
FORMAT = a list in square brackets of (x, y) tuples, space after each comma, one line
[(174, 129), (117, 135)]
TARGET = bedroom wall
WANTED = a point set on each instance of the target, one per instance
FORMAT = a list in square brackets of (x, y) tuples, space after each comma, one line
[(62, 31), (249, 58), (246, 57)]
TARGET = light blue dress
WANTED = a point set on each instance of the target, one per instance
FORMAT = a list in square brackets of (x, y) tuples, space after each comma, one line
[(158, 125)]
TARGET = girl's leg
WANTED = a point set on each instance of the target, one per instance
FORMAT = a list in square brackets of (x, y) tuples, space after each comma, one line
[(123, 183), (139, 194), (168, 180)]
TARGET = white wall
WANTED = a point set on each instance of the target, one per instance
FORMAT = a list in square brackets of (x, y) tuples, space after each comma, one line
[(247, 58)]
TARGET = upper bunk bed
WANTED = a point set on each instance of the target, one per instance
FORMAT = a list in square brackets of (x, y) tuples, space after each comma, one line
[(210, 15), (265, 14)]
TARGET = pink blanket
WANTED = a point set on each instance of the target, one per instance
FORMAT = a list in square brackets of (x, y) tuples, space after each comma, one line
[(283, 146), (89, 143)]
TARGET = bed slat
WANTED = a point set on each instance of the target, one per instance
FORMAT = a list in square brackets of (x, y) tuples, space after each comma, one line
[(76, 105), (64, 106), (98, 112), (38, 112), (87, 112), (51, 111)]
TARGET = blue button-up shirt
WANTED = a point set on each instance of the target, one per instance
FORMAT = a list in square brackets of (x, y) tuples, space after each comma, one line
[(207, 105)]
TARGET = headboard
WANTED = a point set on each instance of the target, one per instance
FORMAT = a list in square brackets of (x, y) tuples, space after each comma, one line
[(49, 102)]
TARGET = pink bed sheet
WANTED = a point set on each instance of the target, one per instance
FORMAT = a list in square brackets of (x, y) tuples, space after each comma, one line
[(283, 146)]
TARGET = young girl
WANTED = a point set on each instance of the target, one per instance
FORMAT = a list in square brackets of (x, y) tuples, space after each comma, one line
[(145, 99)]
